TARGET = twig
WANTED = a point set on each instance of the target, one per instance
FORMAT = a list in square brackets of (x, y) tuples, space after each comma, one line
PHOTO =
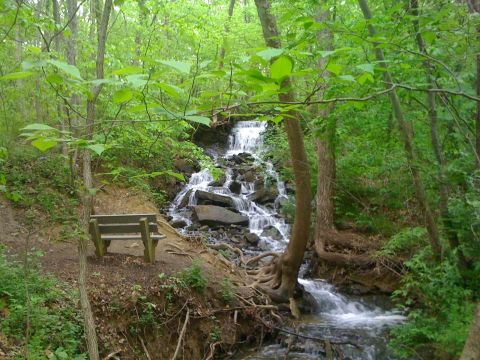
[(144, 348), (112, 355), (182, 333)]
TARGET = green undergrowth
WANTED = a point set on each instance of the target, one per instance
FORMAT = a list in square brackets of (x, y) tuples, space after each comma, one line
[(49, 317)]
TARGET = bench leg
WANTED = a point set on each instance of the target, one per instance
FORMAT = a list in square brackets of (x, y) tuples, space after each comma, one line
[(100, 245), (149, 248)]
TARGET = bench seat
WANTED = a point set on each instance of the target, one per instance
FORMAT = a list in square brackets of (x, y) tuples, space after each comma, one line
[(106, 228)]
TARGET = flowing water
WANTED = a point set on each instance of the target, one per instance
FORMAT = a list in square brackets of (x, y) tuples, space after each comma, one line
[(355, 326)]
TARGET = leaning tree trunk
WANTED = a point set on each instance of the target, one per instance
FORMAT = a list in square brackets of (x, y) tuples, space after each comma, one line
[(405, 131), (88, 185), (325, 206), (471, 350), (227, 30), (444, 188), (289, 263)]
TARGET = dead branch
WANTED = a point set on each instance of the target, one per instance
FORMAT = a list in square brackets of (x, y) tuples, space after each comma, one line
[(182, 333), (144, 348)]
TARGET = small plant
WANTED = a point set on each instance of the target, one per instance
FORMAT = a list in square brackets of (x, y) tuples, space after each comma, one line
[(227, 290), (216, 332), (195, 277)]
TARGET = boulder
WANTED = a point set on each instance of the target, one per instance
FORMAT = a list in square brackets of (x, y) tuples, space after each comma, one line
[(185, 199), (185, 167), (219, 182), (213, 199), (235, 187), (178, 223), (249, 176), (272, 232), (252, 238), (264, 195), (217, 215)]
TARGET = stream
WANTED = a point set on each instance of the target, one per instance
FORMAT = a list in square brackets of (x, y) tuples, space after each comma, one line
[(242, 208)]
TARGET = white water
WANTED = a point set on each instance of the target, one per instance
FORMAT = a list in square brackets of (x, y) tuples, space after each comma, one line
[(335, 312)]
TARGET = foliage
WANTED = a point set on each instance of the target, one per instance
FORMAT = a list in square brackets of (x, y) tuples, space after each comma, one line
[(407, 240), (227, 291), (55, 325), (440, 307), (194, 276)]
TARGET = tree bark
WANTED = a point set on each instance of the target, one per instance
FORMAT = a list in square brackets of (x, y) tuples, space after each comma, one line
[(92, 345), (471, 350), (291, 259), (406, 133), (325, 206), (227, 30), (444, 188)]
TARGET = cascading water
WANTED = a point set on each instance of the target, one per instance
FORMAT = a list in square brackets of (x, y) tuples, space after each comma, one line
[(359, 328)]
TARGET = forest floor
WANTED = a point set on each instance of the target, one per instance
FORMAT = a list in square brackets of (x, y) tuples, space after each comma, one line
[(140, 308)]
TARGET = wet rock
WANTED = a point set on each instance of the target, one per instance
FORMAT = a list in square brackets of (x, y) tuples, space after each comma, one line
[(185, 200), (242, 158), (219, 182), (186, 167), (235, 187), (217, 215), (203, 228), (264, 195), (209, 198), (272, 232), (281, 202), (179, 223), (249, 176), (252, 238)]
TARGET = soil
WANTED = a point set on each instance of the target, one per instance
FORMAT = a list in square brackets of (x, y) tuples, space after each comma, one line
[(140, 308)]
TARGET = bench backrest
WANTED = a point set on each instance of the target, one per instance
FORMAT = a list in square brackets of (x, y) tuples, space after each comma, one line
[(124, 224)]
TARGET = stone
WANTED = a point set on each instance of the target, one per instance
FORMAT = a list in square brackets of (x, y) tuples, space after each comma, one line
[(185, 200), (184, 166), (213, 199), (235, 187), (252, 238), (178, 223), (249, 176), (272, 232), (264, 195), (219, 182), (217, 215)]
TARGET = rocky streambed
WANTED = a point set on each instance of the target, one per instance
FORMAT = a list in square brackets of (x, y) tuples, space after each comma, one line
[(243, 207)]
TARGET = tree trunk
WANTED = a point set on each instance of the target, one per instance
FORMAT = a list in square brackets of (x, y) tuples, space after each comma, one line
[(471, 350), (290, 261), (325, 206), (406, 133), (92, 345), (444, 188), (227, 30)]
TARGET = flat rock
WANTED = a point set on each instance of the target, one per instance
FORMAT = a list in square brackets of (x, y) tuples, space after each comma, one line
[(214, 199), (217, 215)]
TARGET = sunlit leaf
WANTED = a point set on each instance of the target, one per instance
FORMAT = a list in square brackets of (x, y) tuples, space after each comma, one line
[(270, 53), (43, 144), (122, 96), (198, 119), (69, 69), (369, 68), (281, 68), (97, 148), (177, 65), (334, 68), (37, 127), (17, 75)]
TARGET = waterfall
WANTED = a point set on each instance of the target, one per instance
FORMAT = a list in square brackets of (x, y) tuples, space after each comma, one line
[(336, 316)]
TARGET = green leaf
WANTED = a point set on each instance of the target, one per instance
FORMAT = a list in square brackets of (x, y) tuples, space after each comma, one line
[(97, 148), (37, 127), (334, 68), (281, 67), (198, 119), (122, 96), (365, 77), (369, 68), (128, 70), (17, 75), (177, 65), (270, 53), (69, 69), (175, 175), (347, 77), (43, 144)]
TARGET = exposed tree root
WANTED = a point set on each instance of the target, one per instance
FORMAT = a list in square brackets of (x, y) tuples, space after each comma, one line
[(255, 259), (339, 259), (224, 246)]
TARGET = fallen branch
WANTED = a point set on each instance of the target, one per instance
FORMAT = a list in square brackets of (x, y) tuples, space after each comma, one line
[(182, 333), (144, 348), (112, 355)]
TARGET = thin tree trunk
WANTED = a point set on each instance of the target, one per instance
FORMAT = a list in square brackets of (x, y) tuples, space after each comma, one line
[(444, 188), (406, 133), (325, 206), (471, 350), (92, 345), (291, 259), (138, 35), (227, 30)]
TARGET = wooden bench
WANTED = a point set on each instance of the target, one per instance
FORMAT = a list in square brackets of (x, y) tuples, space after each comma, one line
[(105, 228)]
